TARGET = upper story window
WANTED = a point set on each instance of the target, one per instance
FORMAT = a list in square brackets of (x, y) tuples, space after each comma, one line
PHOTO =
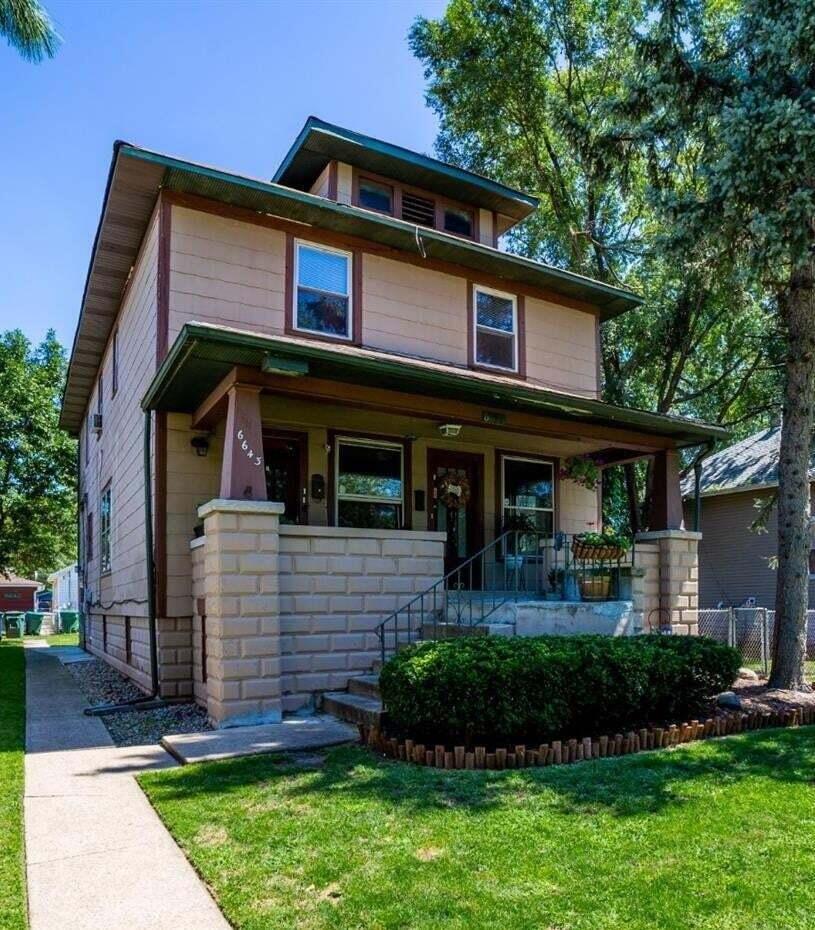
[(373, 195), (495, 322), (323, 300), (114, 376), (104, 530), (458, 221)]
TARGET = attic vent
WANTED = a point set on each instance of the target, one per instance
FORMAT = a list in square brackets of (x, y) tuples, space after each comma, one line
[(418, 210)]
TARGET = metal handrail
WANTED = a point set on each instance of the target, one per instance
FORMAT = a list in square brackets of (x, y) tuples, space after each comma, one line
[(464, 596)]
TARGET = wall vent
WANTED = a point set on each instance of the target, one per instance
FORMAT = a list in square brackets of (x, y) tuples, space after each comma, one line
[(418, 210)]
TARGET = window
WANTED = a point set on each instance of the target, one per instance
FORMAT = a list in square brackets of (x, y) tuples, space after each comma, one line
[(496, 329), (812, 562), (104, 531), (323, 297), (458, 221), (114, 387), (89, 538), (370, 484), (375, 196), (100, 397), (528, 494)]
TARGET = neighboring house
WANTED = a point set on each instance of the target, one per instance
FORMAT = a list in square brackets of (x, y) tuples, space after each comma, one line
[(329, 389), (65, 585), (735, 562), (17, 594)]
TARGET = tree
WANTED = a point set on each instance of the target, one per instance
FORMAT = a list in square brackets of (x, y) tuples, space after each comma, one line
[(37, 459), (739, 78), (526, 91), (28, 28)]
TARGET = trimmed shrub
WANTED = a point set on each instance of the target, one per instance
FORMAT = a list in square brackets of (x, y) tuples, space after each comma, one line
[(493, 691)]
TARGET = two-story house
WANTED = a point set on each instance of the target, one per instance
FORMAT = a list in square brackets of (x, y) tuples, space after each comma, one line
[(302, 402)]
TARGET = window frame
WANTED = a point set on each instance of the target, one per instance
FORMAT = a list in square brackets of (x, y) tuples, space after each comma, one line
[(353, 321), (338, 437), (114, 362), (382, 182), (504, 455), (517, 317), (106, 531)]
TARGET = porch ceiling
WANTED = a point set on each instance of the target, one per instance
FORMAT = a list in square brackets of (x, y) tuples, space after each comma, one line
[(204, 354)]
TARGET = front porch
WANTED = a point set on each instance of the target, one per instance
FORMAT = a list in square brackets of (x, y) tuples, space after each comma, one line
[(344, 503)]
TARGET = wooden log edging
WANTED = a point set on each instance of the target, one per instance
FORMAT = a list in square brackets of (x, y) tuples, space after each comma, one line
[(568, 751)]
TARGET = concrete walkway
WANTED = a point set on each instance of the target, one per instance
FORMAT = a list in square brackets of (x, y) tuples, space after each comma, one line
[(98, 857)]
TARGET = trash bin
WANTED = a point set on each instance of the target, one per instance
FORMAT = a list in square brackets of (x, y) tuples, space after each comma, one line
[(15, 624), (68, 621), (33, 622)]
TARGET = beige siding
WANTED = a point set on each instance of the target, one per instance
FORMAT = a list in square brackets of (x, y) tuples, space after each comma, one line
[(320, 186), (225, 271), (486, 233), (117, 455), (408, 309), (561, 348), (734, 561), (345, 183)]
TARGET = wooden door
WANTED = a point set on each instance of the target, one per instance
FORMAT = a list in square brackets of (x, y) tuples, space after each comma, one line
[(456, 505), (284, 456)]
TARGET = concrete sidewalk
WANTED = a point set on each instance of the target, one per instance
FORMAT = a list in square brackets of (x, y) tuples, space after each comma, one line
[(98, 857)]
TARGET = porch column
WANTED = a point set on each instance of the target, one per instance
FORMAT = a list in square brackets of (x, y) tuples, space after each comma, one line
[(243, 476), (666, 496)]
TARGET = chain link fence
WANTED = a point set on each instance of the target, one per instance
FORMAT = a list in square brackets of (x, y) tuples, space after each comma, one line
[(751, 630)]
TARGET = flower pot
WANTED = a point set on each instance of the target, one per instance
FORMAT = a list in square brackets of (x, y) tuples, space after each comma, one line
[(595, 588), (588, 553)]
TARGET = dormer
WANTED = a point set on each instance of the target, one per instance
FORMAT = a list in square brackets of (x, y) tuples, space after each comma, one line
[(361, 171)]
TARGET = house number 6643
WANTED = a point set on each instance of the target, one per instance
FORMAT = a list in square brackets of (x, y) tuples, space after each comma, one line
[(247, 450)]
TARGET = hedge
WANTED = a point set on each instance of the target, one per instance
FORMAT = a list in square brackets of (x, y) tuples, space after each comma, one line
[(493, 690)]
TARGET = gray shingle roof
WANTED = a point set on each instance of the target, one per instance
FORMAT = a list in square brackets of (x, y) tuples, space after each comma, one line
[(753, 462)]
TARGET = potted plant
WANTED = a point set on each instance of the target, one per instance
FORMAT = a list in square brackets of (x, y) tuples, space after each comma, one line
[(517, 524), (582, 470), (608, 546)]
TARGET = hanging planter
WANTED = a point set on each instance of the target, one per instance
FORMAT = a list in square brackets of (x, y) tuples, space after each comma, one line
[(454, 492), (608, 546), (582, 470)]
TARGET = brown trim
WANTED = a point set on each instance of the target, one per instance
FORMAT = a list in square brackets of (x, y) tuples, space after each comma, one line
[(434, 453), (407, 469), (160, 512), (520, 335), (301, 438), (356, 293), (332, 180), (163, 280), (205, 205), (500, 455), (400, 403)]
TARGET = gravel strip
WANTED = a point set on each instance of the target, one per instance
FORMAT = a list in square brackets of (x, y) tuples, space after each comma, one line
[(102, 684)]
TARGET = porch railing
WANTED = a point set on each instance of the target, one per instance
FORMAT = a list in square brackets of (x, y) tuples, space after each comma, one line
[(517, 565)]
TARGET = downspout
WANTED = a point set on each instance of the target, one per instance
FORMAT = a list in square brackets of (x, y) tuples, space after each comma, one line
[(152, 701)]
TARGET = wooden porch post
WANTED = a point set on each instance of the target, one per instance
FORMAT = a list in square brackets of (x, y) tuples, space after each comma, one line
[(243, 476), (666, 496)]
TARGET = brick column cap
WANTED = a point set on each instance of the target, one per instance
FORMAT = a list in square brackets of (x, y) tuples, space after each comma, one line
[(225, 505), (667, 534)]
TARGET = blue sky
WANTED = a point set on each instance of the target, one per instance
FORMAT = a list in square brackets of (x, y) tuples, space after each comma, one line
[(227, 83)]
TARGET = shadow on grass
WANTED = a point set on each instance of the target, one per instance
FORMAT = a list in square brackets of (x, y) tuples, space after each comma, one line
[(623, 787)]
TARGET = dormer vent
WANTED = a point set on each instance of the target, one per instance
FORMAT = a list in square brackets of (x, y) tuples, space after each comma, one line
[(418, 210)]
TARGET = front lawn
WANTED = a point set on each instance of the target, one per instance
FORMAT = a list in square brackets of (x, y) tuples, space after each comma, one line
[(12, 744), (711, 836)]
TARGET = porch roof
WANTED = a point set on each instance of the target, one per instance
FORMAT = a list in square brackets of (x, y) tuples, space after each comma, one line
[(203, 354)]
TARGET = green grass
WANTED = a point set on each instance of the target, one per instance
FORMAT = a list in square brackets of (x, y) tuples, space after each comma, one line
[(63, 639), (12, 744), (712, 836)]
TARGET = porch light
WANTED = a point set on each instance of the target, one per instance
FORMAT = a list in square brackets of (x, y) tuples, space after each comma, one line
[(450, 430), (200, 444)]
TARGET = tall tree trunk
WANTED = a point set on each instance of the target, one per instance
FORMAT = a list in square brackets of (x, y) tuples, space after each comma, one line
[(794, 535)]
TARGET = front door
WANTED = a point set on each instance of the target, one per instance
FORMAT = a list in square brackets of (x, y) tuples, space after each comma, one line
[(454, 481), (284, 456)]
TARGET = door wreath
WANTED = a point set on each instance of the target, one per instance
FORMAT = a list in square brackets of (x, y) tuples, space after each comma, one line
[(453, 492)]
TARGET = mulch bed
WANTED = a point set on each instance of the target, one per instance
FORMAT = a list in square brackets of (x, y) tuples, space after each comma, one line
[(755, 695), (102, 684)]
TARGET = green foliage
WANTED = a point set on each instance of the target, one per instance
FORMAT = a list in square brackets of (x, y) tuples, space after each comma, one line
[(582, 470), (28, 28), (37, 459), (500, 691), (12, 744), (609, 537), (528, 92)]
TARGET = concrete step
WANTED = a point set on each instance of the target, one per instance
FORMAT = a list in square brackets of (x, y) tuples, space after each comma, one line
[(366, 685), (354, 708), (443, 630)]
